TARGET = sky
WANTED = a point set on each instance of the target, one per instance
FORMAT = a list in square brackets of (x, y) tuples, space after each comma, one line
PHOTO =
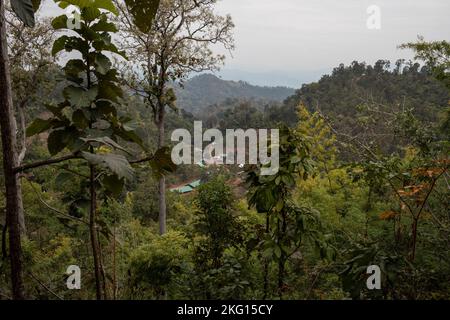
[(291, 42)]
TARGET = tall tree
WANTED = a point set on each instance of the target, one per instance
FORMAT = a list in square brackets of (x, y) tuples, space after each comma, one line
[(175, 45), (25, 11), (288, 225), (90, 100), (436, 55), (87, 119), (87, 122), (30, 61)]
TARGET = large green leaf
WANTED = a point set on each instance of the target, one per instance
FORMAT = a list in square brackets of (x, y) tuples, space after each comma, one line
[(36, 4), (143, 12), (59, 45), (79, 97), (38, 126), (104, 25), (78, 3), (106, 141), (73, 69), (69, 43), (102, 63), (129, 135), (107, 5), (109, 91), (60, 22), (55, 142), (24, 10), (80, 119), (118, 164), (60, 139), (162, 162), (97, 4)]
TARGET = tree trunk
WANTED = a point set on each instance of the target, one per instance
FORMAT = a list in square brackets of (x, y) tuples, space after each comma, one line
[(162, 180), (12, 186), (21, 212), (414, 239), (94, 237), (266, 262), (283, 258), (114, 294), (20, 156), (102, 268), (99, 272), (367, 210)]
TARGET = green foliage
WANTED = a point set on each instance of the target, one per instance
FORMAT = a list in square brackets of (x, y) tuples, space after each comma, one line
[(24, 9), (143, 13), (154, 266), (308, 232), (288, 225), (354, 274), (322, 141), (235, 278), (87, 119), (118, 164), (215, 222), (436, 55), (358, 98), (161, 162)]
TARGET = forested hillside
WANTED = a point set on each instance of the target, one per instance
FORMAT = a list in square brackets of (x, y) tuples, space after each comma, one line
[(357, 100), (94, 203), (204, 90), (405, 84)]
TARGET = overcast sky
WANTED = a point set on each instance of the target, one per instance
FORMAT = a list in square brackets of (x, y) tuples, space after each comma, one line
[(300, 39), (290, 42)]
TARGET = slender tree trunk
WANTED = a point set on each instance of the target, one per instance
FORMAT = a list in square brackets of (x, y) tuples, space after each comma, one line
[(367, 210), (20, 156), (102, 268), (281, 267), (94, 237), (398, 235), (266, 262), (21, 213), (414, 239), (283, 258), (162, 180), (12, 186), (162, 206), (99, 271), (114, 262), (4, 231)]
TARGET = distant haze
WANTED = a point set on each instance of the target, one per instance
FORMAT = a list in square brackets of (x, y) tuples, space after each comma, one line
[(291, 42), (303, 39), (205, 90)]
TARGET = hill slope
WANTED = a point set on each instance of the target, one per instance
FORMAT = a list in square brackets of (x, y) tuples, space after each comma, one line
[(338, 95), (207, 89)]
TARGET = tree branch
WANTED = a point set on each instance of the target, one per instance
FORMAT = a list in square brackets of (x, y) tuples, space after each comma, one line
[(146, 159), (43, 163)]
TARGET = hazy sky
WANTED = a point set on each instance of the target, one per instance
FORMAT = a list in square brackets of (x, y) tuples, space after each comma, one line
[(300, 39), (289, 42)]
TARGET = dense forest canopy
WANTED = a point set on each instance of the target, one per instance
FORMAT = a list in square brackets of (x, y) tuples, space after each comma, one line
[(406, 84), (87, 178)]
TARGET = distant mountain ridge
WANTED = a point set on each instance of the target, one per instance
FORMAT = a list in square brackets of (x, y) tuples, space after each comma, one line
[(204, 90)]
